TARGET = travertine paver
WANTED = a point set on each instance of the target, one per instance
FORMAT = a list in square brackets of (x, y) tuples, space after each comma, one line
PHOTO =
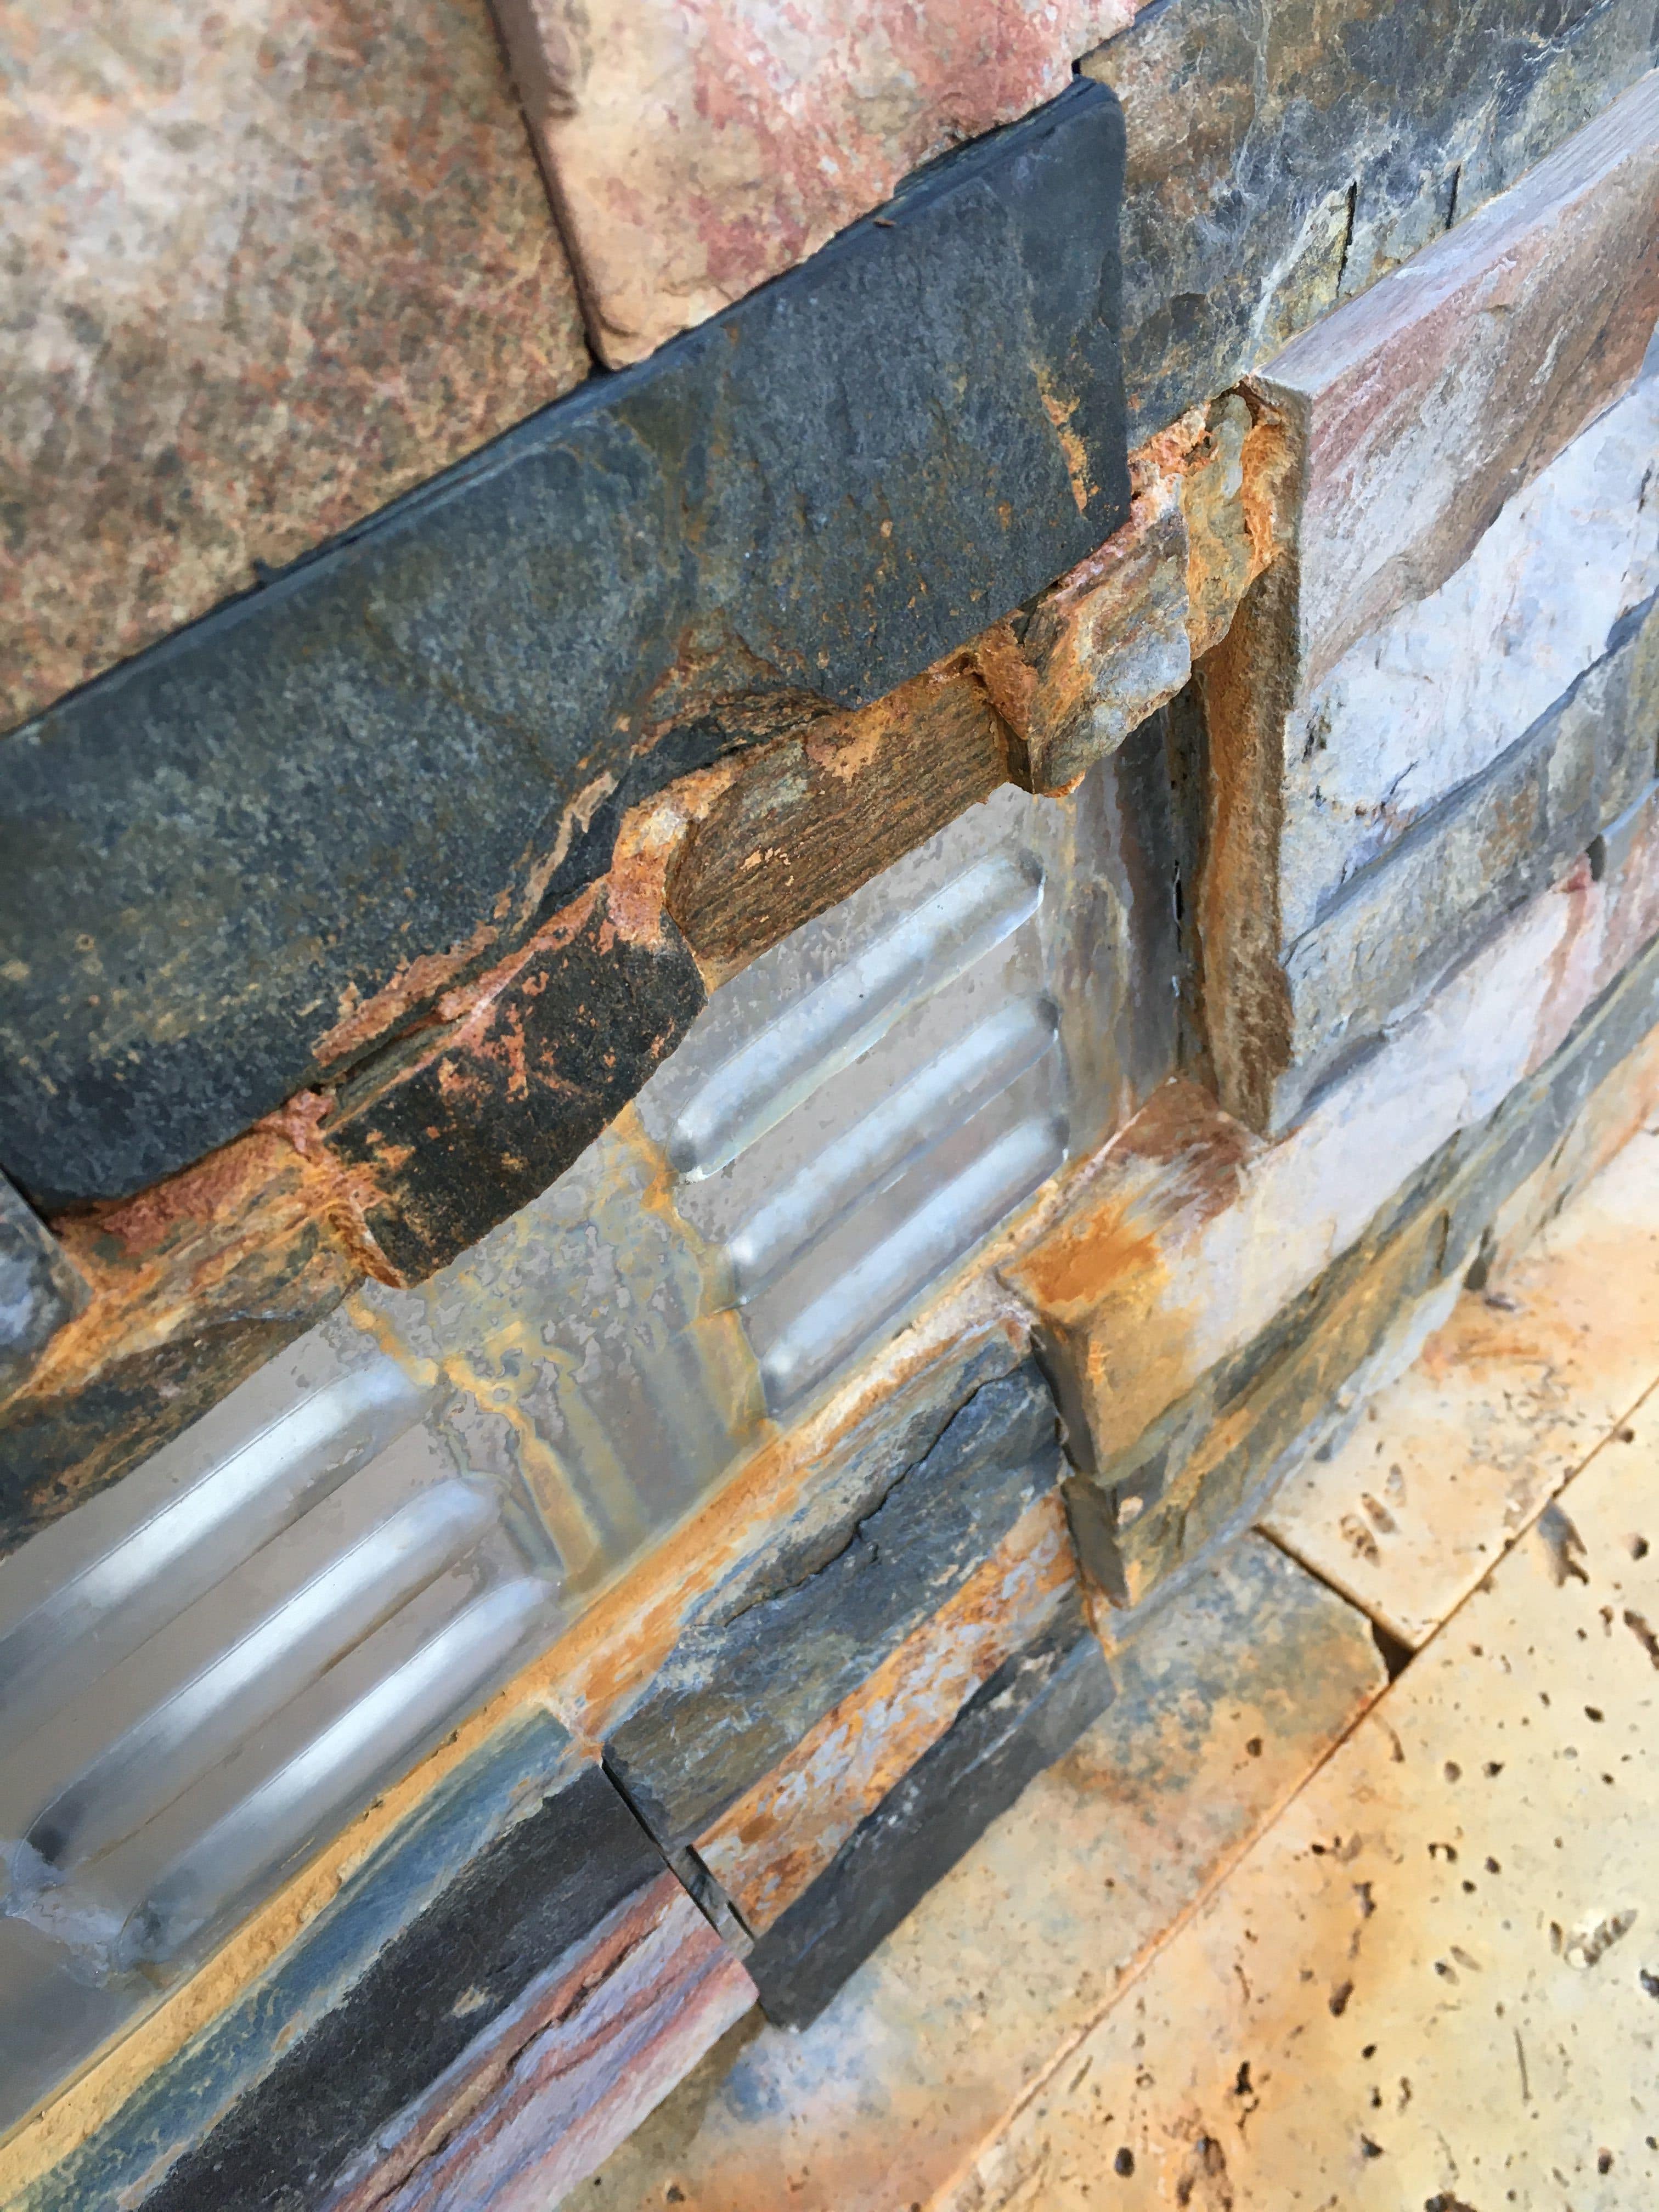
[(1222, 1709), (1453, 1460), (1435, 1981)]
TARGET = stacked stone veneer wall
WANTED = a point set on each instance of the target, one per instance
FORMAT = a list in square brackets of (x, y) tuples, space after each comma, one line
[(1228, 495)]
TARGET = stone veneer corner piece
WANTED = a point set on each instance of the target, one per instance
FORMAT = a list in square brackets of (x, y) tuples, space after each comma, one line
[(266, 269)]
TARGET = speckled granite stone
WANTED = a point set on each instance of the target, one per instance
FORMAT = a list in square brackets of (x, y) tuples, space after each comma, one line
[(702, 146), (263, 268)]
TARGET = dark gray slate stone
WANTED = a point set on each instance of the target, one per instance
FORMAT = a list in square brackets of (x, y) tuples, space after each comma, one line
[(512, 1864), (1404, 923), (1029, 1713), (39, 1290), (1281, 157), (738, 1691), (214, 852), (474, 1121)]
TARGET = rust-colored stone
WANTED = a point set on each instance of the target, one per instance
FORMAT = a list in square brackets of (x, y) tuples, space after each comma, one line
[(767, 1849), (194, 1283), (811, 817)]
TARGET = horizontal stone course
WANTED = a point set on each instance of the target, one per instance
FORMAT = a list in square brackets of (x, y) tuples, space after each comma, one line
[(1427, 403), (740, 1690), (1026, 1715), (1409, 919), (765, 1849), (1279, 164), (1148, 1515), (1471, 444), (255, 852), (1444, 685), (513, 1863), (1123, 1288)]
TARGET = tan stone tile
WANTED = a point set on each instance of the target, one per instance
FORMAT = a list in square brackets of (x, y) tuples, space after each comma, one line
[(267, 267), (1451, 1461), (1435, 1981), (1221, 1711)]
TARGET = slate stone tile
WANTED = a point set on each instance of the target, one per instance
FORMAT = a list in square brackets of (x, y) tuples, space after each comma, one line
[(1029, 1712), (235, 863), (39, 1289), (1425, 405), (476, 1118), (525, 1861), (1471, 438), (741, 1689), (193, 1287), (1195, 1234), (1279, 162), (779, 1835), (532, 2106)]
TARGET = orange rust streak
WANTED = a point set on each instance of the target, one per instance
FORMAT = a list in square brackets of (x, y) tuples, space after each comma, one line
[(785, 1830)]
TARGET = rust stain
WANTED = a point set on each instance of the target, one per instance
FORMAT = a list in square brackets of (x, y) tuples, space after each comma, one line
[(782, 1833), (364, 1022), (1059, 412)]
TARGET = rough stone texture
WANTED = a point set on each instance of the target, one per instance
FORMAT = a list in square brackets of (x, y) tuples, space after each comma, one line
[(1278, 164), (1026, 1715), (1423, 407), (1222, 1707), (285, 832), (478, 1115), (531, 2109), (1503, 1406), (548, 1899), (810, 1622), (39, 1290), (192, 1287), (263, 274), (1291, 1397), (1467, 544), (747, 850), (1074, 674), (1400, 926), (783, 1833), (1430, 1983), (810, 818), (696, 151), (1443, 686), (1194, 1234)]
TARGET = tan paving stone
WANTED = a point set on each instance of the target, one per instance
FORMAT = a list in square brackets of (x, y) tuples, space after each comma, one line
[(1450, 1462), (1221, 1711), (1435, 1982)]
